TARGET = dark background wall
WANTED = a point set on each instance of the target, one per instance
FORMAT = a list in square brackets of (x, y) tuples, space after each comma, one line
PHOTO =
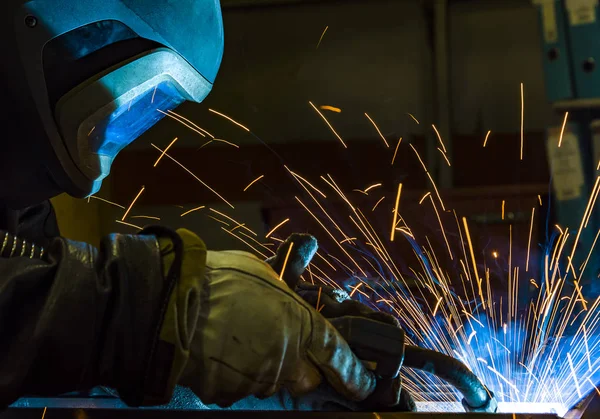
[(375, 57)]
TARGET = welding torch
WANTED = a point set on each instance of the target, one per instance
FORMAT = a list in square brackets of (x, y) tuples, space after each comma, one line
[(379, 343)]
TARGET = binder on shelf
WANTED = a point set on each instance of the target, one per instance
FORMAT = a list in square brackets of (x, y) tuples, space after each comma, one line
[(584, 36), (555, 50)]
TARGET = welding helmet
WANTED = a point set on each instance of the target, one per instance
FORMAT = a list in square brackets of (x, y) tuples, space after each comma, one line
[(82, 79)]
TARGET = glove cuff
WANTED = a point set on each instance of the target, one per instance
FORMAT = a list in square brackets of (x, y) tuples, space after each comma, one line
[(183, 258)]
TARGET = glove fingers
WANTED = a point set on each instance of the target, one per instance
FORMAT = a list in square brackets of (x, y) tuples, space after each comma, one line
[(337, 363), (386, 394), (355, 308), (331, 308), (304, 288), (304, 247)]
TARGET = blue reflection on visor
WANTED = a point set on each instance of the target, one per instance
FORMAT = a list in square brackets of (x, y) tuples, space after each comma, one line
[(130, 121)]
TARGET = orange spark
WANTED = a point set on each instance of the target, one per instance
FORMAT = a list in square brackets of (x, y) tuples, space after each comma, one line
[(276, 227), (486, 138), (330, 235), (166, 149), (107, 201), (437, 133), (149, 217), (92, 130), (588, 209), (424, 197), (191, 123), (44, 413), (495, 254), (322, 35), (253, 182), (330, 108), (133, 202), (326, 261), (437, 305), (130, 225), (442, 228), (413, 117), (589, 254), (197, 131), (192, 210), (378, 202), (219, 140), (355, 289), (194, 176), (236, 227), (396, 150), (205, 144), (264, 246), (307, 182), (595, 191), (220, 221), (540, 199), (231, 219), (562, 129), (349, 239), (437, 192), (503, 204), (396, 212), (329, 125), (435, 189), (285, 261), (529, 242), (377, 185), (405, 231), (419, 157), (246, 243), (445, 157), (472, 252), (522, 118), (318, 298), (578, 289), (590, 381), (378, 130), (229, 119)]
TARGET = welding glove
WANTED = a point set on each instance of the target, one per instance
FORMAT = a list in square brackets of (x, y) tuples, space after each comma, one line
[(333, 304), (253, 334)]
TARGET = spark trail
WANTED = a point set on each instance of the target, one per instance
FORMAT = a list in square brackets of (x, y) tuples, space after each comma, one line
[(539, 345)]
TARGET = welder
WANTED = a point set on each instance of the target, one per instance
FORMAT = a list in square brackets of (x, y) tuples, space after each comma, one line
[(81, 80)]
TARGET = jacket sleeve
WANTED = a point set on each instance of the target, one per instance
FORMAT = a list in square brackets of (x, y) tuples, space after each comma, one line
[(73, 317)]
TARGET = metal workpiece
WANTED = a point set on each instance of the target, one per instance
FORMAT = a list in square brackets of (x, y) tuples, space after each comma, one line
[(160, 414)]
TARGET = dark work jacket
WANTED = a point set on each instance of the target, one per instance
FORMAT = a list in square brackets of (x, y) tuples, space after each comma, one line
[(73, 316)]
